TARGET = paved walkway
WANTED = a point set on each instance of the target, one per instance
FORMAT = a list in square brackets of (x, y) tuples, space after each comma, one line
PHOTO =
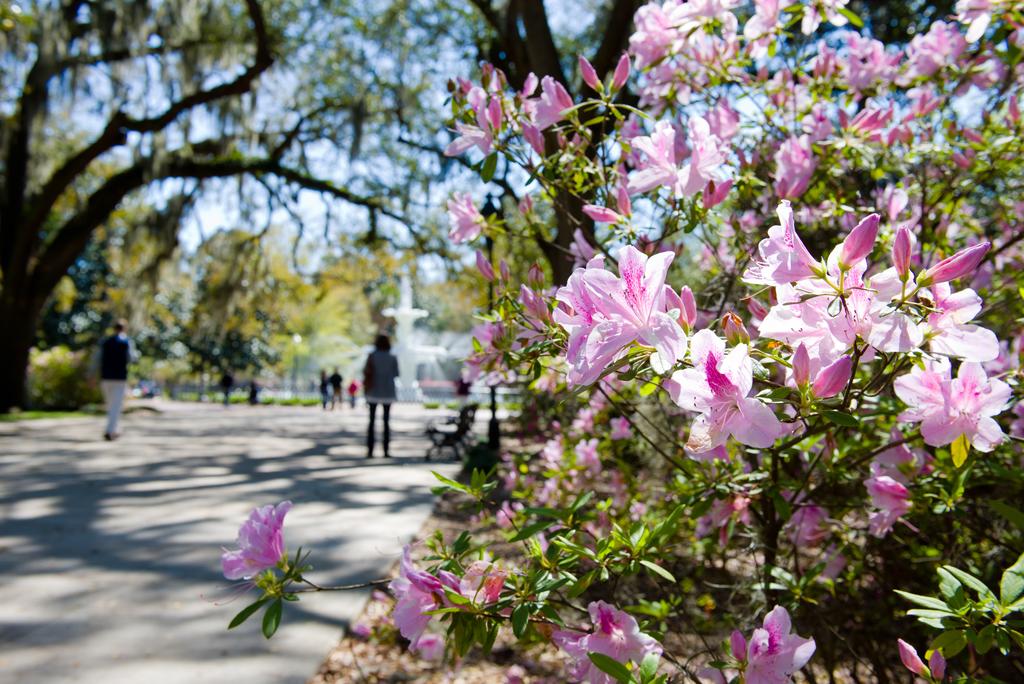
[(109, 553)]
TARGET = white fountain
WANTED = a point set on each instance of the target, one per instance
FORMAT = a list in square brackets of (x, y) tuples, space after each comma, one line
[(408, 353)]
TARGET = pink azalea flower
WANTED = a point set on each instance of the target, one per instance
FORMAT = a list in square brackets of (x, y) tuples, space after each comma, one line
[(948, 408), (606, 313), (717, 387), (976, 14), (794, 165), (782, 257), (706, 159), (816, 12), (773, 653), (892, 501), (465, 219), (927, 53), (483, 581), (430, 646), (416, 592), (550, 107), (952, 333), (587, 457), (469, 136), (260, 543), (760, 28), (615, 634), (620, 428), (659, 165), (807, 526)]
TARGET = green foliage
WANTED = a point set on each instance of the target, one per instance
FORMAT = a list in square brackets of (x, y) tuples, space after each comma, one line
[(62, 379)]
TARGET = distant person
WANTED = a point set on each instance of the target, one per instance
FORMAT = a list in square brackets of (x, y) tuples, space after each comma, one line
[(336, 382), (379, 375), (353, 390), (254, 393), (462, 391), (227, 382), (325, 392), (115, 353)]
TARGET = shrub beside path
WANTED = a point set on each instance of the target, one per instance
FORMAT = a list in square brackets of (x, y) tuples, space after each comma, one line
[(110, 551)]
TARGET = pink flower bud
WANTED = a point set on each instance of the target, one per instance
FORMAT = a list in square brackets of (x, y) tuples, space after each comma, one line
[(756, 309), (494, 114), (536, 275), (622, 200), (503, 267), (738, 645), (688, 312), (1013, 109), (484, 266), (589, 75), (526, 204), (530, 84), (602, 214), (937, 664), (833, 378), (901, 248), (735, 332), (912, 661), (534, 137), (801, 365), (861, 240), (621, 72), (956, 266)]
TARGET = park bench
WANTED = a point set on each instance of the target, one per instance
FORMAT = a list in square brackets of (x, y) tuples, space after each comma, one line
[(453, 433)]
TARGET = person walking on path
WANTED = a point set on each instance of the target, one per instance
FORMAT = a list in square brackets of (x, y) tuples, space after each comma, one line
[(227, 382), (379, 375), (353, 389), (115, 354), (336, 382), (325, 394)]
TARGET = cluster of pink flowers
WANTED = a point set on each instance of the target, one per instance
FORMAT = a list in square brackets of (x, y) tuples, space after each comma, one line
[(771, 655), (604, 313), (948, 407), (260, 543), (615, 634), (418, 592)]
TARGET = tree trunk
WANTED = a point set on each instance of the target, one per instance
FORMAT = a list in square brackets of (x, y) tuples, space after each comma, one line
[(19, 316)]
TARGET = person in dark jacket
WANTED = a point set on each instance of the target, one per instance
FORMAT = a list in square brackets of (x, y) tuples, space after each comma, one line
[(379, 376), (227, 383), (336, 382), (115, 354)]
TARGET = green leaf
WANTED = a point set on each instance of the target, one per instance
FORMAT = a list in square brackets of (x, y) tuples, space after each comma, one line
[(924, 601), (520, 619), (610, 666), (658, 570), (983, 642), (960, 449), (950, 642), (851, 17), (948, 584), (246, 613), (1011, 586), (531, 530), (840, 418), (969, 580), (449, 483), (490, 165), (649, 667), (272, 618), (1013, 515)]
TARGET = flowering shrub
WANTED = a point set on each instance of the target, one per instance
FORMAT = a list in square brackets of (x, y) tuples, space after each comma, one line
[(788, 355)]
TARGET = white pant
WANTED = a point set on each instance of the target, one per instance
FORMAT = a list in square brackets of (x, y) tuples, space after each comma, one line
[(113, 394)]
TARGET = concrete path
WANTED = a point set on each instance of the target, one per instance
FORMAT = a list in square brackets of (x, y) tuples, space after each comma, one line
[(110, 552)]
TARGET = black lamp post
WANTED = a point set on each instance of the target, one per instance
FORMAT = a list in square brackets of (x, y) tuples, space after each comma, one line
[(493, 429)]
